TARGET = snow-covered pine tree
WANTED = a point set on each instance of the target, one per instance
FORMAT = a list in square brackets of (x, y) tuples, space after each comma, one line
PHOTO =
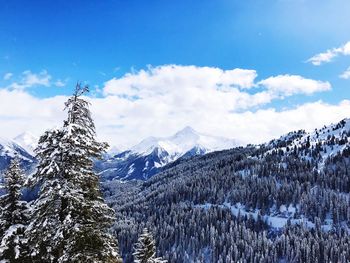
[(13, 217), (71, 220), (46, 230), (89, 240), (145, 249)]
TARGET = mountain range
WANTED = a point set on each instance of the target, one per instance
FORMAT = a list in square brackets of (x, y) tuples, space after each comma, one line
[(153, 154), (141, 161), (148, 157)]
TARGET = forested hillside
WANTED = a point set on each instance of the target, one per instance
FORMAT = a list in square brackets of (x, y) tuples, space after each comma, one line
[(283, 201)]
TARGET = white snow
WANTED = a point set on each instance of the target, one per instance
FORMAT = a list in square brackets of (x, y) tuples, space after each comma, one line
[(275, 221), (131, 169), (157, 165), (108, 170)]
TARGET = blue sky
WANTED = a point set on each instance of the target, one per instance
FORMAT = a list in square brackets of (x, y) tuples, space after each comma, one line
[(96, 41)]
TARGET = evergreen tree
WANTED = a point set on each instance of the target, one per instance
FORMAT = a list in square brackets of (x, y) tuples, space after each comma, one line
[(47, 227), (145, 250), (70, 220), (13, 217), (90, 242)]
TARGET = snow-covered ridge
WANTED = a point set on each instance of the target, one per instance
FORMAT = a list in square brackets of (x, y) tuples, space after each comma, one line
[(331, 140), (182, 142)]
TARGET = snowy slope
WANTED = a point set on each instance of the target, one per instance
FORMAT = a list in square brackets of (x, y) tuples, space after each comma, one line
[(330, 140)]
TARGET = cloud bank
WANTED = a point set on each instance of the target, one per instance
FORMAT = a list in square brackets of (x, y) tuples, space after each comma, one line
[(159, 101)]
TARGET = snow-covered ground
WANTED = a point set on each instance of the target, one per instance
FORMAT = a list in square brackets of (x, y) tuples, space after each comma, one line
[(277, 220)]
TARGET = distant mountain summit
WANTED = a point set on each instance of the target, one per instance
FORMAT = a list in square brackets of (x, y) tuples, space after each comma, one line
[(182, 142), (9, 149), (146, 158), (27, 141)]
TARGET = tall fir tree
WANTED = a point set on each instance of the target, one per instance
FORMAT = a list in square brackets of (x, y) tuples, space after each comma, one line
[(70, 220), (13, 217), (46, 230), (145, 249)]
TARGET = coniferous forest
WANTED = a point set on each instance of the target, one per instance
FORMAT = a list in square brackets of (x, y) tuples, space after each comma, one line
[(282, 201)]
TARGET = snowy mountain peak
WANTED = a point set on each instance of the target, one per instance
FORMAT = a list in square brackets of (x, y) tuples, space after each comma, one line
[(27, 141), (6, 145), (9, 149), (187, 131), (146, 158), (113, 151), (182, 142), (145, 146)]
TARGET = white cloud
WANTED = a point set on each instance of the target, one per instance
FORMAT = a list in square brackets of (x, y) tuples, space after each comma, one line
[(123, 122), (20, 111), (8, 75), (328, 55), (288, 85), (345, 74), (161, 100), (60, 83), (29, 79), (144, 82), (190, 87), (263, 125)]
